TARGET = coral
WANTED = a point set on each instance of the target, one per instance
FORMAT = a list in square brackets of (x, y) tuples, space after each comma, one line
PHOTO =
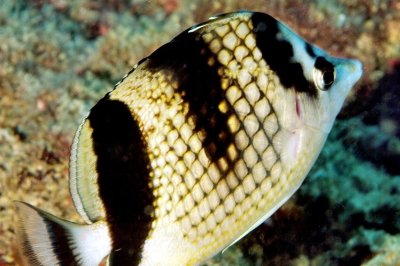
[(58, 57), (387, 254), (140, 35)]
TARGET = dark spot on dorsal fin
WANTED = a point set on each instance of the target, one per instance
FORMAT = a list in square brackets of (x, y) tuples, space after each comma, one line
[(278, 54)]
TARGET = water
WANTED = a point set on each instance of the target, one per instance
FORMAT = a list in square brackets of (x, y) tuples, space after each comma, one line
[(57, 58)]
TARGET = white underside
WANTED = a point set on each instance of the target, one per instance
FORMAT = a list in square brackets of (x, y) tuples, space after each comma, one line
[(264, 217), (92, 243)]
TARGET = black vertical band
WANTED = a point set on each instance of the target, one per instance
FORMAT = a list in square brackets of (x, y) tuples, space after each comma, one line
[(199, 84), (278, 54), (123, 178), (60, 243)]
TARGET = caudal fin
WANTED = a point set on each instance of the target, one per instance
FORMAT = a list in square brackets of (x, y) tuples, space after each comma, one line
[(47, 240)]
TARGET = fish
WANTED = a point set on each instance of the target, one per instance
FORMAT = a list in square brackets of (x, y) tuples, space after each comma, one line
[(196, 146)]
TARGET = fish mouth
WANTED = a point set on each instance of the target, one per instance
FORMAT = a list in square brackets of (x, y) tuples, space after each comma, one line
[(355, 69), (352, 71), (355, 66)]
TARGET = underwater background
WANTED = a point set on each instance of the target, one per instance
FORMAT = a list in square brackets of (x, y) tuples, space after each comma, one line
[(58, 57)]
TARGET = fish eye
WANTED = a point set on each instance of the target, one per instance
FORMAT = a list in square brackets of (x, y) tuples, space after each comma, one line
[(324, 73), (324, 78)]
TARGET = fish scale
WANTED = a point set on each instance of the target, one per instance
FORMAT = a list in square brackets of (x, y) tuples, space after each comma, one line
[(233, 186), (196, 146)]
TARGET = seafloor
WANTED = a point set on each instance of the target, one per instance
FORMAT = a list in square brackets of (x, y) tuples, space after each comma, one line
[(58, 57)]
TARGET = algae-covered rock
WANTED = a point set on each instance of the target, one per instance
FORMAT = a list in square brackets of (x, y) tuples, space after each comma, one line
[(57, 58)]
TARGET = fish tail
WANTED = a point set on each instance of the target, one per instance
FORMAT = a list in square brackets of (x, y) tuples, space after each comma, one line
[(47, 240)]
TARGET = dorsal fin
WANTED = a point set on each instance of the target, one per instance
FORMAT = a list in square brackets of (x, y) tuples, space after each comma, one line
[(83, 176)]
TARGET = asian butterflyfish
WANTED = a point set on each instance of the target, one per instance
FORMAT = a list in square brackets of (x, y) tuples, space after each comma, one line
[(197, 145)]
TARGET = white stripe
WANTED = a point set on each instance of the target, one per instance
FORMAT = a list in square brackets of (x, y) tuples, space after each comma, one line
[(35, 230), (193, 29), (73, 175), (92, 243)]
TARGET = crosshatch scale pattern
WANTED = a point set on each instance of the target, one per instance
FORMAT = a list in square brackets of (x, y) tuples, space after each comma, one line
[(209, 196)]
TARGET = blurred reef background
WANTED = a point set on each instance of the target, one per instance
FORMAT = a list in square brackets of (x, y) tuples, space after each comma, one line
[(58, 57)]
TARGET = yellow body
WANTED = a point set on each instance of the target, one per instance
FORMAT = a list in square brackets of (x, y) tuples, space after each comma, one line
[(203, 206), (217, 164)]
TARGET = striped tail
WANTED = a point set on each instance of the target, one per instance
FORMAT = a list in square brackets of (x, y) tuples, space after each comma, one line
[(47, 240)]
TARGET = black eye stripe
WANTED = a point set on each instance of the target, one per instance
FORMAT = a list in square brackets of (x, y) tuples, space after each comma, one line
[(278, 54), (323, 65), (310, 50)]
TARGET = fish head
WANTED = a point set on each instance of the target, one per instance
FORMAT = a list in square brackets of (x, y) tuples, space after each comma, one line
[(308, 89), (329, 79), (334, 86)]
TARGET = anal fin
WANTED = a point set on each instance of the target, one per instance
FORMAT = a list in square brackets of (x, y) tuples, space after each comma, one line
[(47, 240)]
